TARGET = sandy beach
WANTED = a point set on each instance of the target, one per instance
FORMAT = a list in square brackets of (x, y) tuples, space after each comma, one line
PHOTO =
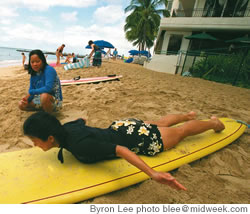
[(220, 178)]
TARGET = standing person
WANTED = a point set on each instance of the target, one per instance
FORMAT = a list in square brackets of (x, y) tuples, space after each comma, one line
[(25, 66), (59, 53), (24, 58), (45, 91), (123, 138), (115, 53), (97, 61)]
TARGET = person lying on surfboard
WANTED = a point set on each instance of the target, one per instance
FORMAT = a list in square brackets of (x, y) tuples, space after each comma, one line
[(45, 91), (123, 138)]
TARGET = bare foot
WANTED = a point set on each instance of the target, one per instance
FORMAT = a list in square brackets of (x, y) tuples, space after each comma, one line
[(219, 126), (191, 115)]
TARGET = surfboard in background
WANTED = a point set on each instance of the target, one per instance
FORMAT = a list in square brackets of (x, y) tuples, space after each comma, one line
[(55, 65), (34, 176), (90, 80)]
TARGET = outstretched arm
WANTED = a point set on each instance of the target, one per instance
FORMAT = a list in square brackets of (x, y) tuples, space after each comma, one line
[(161, 177), (93, 50)]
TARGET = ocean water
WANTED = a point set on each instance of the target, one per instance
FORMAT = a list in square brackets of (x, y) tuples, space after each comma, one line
[(12, 57)]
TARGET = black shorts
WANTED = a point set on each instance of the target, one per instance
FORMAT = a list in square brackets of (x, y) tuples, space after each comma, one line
[(146, 137)]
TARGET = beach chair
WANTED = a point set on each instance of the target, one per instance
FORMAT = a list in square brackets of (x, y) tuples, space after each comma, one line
[(84, 62)]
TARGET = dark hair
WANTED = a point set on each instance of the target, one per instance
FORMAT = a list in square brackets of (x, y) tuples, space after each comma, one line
[(95, 46), (40, 54), (42, 125), (91, 42)]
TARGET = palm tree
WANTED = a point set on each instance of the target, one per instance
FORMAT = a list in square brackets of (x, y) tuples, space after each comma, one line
[(143, 23)]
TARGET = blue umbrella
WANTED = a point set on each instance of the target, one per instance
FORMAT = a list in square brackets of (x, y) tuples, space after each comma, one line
[(134, 52), (101, 44), (145, 53), (88, 47)]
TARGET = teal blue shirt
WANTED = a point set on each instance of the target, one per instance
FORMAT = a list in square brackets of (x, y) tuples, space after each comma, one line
[(46, 82)]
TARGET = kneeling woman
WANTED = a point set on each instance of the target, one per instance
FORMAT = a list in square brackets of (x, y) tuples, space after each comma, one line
[(124, 138), (45, 91)]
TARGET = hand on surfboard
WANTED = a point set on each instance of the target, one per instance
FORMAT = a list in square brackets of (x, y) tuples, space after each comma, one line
[(166, 178)]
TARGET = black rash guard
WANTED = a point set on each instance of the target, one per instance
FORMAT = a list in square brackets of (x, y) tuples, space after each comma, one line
[(89, 144)]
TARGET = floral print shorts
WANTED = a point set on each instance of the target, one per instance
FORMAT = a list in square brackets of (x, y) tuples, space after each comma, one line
[(146, 137), (57, 105)]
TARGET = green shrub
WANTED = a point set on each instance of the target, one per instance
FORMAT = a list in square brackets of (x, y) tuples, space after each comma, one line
[(224, 69)]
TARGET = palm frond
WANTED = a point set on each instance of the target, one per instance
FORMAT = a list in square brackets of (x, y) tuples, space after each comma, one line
[(143, 23)]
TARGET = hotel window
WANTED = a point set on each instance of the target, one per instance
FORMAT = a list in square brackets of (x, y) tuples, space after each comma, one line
[(225, 8), (174, 44), (158, 47), (169, 6), (240, 7)]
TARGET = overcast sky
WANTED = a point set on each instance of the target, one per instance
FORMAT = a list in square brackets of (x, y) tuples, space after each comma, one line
[(46, 24)]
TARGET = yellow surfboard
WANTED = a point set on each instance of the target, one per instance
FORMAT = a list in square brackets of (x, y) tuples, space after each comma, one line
[(34, 176)]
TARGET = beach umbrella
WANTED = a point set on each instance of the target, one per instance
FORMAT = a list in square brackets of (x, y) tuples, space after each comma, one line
[(88, 47), (134, 52), (202, 36), (145, 53), (243, 39), (101, 44)]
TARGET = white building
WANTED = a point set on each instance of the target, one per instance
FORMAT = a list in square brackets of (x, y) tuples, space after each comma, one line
[(222, 19)]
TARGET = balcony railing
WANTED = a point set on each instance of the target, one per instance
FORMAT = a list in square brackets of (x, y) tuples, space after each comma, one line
[(211, 13)]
